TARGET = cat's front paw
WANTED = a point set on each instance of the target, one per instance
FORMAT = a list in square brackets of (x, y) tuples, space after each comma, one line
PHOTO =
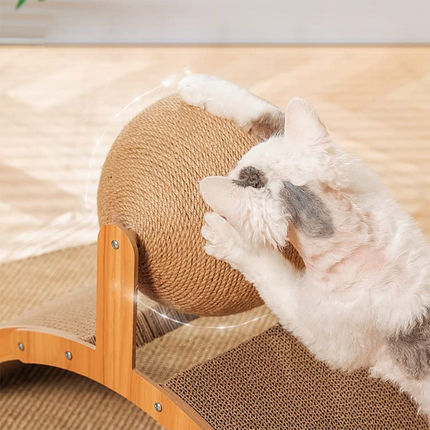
[(193, 89), (222, 240)]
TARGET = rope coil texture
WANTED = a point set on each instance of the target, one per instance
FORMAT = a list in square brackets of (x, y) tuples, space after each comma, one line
[(149, 183)]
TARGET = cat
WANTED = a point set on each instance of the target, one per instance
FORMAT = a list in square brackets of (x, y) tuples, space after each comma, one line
[(363, 299)]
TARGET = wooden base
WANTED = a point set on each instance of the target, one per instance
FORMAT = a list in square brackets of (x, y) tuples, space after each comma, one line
[(112, 361)]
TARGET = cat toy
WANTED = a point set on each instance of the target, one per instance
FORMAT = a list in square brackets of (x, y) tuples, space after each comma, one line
[(149, 183)]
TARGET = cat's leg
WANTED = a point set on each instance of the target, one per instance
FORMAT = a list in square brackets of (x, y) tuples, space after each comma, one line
[(230, 101), (276, 279), (388, 369)]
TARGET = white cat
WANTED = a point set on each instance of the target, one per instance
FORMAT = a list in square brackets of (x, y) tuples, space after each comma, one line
[(364, 297)]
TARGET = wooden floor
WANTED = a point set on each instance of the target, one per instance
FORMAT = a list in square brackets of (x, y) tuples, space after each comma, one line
[(56, 103)]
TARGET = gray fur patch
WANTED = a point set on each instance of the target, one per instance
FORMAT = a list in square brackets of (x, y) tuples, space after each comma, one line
[(308, 212), (412, 349), (251, 177), (268, 124)]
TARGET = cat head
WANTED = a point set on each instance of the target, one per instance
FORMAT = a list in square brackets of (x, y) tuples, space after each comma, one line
[(283, 182)]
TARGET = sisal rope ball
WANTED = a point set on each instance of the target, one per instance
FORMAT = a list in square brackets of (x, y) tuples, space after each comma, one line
[(150, 183)]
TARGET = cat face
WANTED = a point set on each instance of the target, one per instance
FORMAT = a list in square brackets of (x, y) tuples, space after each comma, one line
[(282, 182)]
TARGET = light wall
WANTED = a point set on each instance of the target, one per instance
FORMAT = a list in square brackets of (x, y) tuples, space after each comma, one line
[(216, 21)]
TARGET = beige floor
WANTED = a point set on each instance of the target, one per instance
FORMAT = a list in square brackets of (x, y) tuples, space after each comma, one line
[(56, 103)]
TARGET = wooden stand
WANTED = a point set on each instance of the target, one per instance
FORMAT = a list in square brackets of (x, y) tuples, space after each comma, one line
[(111, 362)]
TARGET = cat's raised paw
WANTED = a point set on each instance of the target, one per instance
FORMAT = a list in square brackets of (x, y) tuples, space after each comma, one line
[(222, 240), (193, 89)]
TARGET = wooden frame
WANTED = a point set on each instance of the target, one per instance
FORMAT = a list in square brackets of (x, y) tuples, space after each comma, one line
[(112, 361)]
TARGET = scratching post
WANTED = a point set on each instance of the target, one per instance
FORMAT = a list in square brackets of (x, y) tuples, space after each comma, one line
[(111, 361), (150, 182)]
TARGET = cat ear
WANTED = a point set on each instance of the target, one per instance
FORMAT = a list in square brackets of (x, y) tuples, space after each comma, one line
[(223, 196), (302, 123)]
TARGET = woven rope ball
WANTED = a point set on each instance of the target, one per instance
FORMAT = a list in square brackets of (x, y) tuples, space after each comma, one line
[(150, 182)]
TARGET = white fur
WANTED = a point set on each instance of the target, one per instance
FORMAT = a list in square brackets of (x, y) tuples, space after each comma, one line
[(367, 282), (214, 94)]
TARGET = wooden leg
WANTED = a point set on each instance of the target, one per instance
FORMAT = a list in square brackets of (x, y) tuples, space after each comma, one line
[(112, 361)]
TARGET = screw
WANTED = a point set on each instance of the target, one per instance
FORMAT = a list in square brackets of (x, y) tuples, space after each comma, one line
[(21, 346), (68, 355), (115, 244), (158, 407)]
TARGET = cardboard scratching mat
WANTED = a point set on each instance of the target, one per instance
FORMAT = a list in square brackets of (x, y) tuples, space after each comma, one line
[(273, 382), (150, 183), (69, 304)]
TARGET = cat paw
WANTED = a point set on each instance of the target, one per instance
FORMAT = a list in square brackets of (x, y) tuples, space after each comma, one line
[(195, 89), (224, 99), (222, 240)]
